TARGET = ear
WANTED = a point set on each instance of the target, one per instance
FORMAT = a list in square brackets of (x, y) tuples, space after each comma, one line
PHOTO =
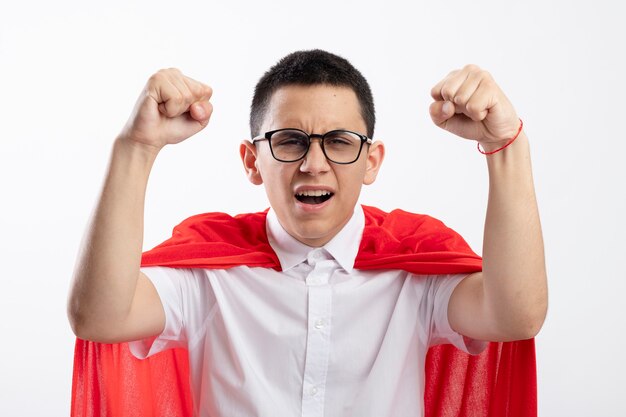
[(375, 156), (248, 153)]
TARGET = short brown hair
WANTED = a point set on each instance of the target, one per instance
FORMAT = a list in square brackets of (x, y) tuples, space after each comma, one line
[(310, 68)]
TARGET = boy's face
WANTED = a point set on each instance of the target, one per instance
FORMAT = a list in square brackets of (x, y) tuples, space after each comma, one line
[(313, 109)]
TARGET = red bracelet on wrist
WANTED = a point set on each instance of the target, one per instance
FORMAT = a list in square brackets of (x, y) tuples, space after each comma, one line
[(521, 125)]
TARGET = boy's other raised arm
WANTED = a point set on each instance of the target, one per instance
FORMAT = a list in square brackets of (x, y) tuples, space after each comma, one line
[(110, 300), (508, 299)]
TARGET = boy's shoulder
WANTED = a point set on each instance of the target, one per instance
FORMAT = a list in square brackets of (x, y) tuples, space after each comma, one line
[(403, 224)]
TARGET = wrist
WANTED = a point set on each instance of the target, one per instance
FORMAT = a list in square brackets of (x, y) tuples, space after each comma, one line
[(491, 148), (511, 162), (132, 160), (135, 149)]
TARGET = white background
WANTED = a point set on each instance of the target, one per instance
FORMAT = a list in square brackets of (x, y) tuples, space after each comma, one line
[(70, 73)]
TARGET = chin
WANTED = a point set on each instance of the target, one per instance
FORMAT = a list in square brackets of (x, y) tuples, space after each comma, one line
[(313, 232), (314, 225)]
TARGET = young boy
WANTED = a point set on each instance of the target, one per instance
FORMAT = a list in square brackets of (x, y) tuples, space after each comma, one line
[(290, 320)]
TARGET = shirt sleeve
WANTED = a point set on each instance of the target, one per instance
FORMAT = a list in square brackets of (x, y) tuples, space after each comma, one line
[(183, 294), (440, 290)]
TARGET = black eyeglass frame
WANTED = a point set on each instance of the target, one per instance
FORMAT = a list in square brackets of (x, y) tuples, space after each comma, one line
[(268, 135)]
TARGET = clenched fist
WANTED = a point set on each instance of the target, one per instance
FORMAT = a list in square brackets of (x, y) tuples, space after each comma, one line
[(171, 108), (469, 103)]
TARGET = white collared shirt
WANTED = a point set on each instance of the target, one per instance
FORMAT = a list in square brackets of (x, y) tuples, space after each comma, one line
[(317, 339)]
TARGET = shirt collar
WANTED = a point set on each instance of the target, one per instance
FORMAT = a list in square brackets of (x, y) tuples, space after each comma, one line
[(343, 247)]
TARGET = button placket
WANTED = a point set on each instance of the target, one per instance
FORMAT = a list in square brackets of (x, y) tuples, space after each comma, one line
[(318, 340)]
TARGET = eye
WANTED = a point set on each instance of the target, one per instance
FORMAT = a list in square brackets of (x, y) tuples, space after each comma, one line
[(291, 142), (289, 138), (337, 142), (341, 138)]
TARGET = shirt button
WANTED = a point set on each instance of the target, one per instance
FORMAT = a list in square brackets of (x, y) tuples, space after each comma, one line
[(314, 281), (313, 391), (319, 324), (316, 255)]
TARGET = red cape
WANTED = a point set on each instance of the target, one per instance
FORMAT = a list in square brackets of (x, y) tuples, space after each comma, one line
[(500, 382)]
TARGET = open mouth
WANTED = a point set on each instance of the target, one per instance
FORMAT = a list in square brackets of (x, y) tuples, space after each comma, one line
[(313, 196)]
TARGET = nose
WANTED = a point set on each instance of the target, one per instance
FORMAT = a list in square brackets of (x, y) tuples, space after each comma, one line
[(315, 161)]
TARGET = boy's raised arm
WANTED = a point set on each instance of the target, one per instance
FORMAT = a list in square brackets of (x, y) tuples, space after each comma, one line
[(508, 299), (110, 300)]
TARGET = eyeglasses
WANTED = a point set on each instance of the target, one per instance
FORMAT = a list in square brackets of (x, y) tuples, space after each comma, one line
[(291, 145)]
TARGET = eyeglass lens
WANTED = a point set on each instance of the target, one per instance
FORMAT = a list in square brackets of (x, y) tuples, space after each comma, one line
[(339, 146)]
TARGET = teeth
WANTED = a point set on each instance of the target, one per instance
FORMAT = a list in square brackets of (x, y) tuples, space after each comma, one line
[(313, 193)]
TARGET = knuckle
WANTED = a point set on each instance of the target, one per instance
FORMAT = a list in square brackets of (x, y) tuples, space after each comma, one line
[(472, 68), (447, 92), (488, 83), (157, 77), (194, 91), (473, 108), (188, 99), (435, 92), (163, 74), (177, 99), (201, 90)]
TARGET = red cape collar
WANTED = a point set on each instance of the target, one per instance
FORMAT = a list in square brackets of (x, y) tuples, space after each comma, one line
[(398, 240)]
